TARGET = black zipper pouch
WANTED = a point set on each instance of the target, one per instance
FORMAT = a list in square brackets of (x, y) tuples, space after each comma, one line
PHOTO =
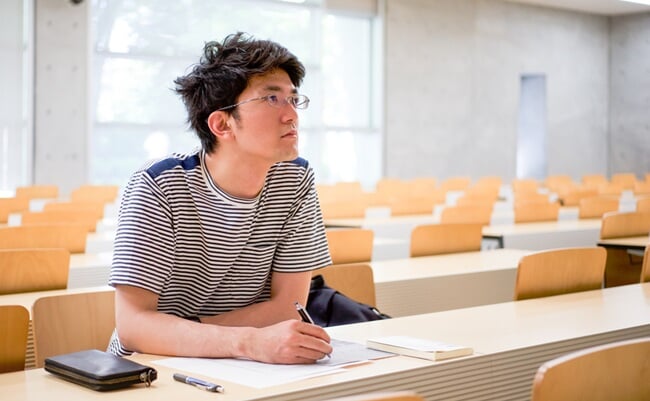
[(98, 370)]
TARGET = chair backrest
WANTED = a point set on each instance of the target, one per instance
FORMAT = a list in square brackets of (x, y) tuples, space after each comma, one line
[(457, 183), (343, 209), (14, 326), (37, 191), (612, 372), (95, 193), (480, 214), (434, 239), (352, 245), (560, 271), (90, 206), (572, 197), (627, 180), (412, 205), (593, 180), (71, 236), (31, 269), (536, 211), (87, 217), (624, 224), (643, 204), (645, 267), (524, 185), (12, 205), (72, 322), (354, 280), (596, 207), (385, 396)]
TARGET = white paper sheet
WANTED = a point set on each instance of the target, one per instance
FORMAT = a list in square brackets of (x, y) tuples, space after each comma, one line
[(260, 375)]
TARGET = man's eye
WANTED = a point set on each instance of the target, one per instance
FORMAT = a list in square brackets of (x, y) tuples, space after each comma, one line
[(273, 100)]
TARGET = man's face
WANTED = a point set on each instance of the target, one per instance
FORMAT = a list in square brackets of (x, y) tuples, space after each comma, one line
[(266, 132)]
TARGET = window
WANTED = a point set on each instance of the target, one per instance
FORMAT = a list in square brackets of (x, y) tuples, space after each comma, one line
[(141, 47)]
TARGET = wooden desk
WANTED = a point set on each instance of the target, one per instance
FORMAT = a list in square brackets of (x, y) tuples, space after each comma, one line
[(435, 283), (631, 243), (511, 340), (545, 235)]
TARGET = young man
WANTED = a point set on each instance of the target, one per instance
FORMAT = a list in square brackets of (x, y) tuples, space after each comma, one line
[(214, 248)]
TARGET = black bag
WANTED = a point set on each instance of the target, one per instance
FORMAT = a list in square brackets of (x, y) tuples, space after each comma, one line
[(328, 307), (99, 370)]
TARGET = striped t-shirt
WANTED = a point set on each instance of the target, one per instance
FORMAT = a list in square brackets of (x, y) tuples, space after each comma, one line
[(205, 252)]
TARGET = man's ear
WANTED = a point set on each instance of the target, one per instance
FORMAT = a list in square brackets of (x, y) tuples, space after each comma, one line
[(218, 123)]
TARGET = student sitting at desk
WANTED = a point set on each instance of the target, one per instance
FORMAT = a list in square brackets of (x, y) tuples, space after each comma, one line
[(213, 248)]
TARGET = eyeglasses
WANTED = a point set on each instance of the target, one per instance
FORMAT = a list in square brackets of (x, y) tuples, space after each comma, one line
[(297, 101)]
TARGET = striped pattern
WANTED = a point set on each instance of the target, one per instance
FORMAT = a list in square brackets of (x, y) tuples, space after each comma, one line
[(206, 252)]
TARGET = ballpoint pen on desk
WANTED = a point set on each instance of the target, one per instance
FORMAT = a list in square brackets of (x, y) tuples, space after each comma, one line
[(202, 384), (304, 315)]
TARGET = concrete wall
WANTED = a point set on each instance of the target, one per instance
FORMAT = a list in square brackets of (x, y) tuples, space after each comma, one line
[(453, 71), (630, 95), (61, 104)]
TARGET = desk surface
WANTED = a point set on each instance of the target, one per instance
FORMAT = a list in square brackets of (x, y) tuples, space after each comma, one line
[(27, 299), (636, 243), (510, 341), (411, 286)]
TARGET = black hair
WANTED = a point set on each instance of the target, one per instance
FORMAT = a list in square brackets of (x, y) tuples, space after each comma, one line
[(222, 74)]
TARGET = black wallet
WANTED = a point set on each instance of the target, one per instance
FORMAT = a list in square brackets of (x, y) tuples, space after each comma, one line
[(99, 370)]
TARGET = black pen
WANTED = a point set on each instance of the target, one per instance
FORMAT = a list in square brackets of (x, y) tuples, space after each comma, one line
[(202, 384), (304, 315)]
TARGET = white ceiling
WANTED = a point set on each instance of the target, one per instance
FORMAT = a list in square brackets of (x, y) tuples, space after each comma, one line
[(603, 7)]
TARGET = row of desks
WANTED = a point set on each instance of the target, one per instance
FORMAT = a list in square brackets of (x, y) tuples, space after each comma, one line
[(510, 339)]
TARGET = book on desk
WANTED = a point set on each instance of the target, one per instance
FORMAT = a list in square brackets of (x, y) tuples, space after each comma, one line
[(419, 347)]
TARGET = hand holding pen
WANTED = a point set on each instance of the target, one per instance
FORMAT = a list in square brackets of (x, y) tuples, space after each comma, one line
[(304, 315)]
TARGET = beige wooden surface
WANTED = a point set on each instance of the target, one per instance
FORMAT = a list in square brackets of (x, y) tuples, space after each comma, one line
[(426, 284), (511, 340), (637, 243)]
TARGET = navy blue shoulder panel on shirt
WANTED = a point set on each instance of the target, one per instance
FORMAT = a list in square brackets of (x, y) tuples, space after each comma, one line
[(301, 162), (161, 166)]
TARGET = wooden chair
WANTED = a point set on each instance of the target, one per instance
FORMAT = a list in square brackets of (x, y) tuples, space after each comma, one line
[(616, 371), (89, 206), (72, 322), (14, 326), (479, 214), (435, 239), (626, 180), (645, 268), (87, 217), (643, 204), (596, 207), (69, 236), (457, 183), (12, 205), (350, 245), (642, 188), (389, 396), (593, 180), (24, 270), (524, 185), (355, 280), (95, 193), (611, 189), (560, 271), (623, 267), (572, 197), (402, 206), (624, 224), (343, 209), (38, 192), (558, 182), (526, 212)]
